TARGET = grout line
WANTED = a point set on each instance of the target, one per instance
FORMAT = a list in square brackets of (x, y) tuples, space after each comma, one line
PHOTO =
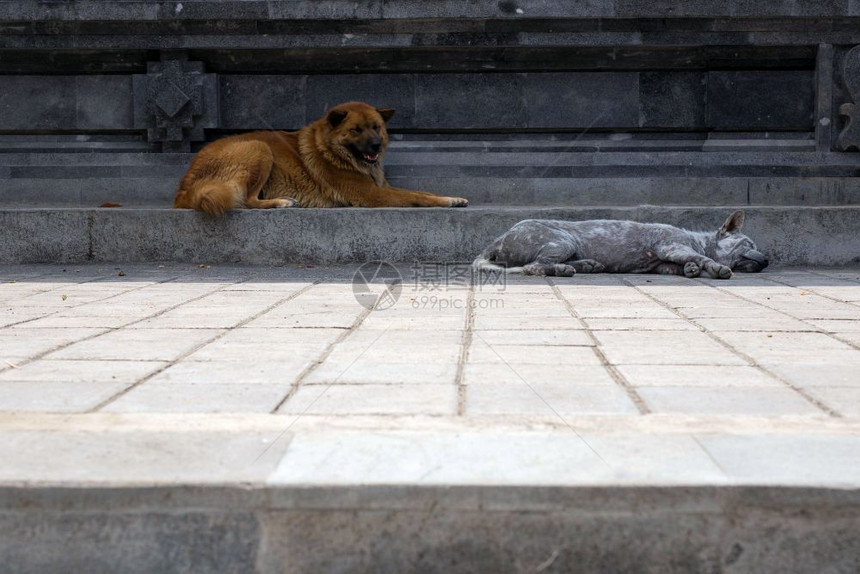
[(465, 348), (747, 358), (322, 357), (202, 344), (616, 375)]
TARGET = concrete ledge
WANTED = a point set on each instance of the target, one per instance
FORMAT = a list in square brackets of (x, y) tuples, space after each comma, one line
[(790, 235), (429, 529)]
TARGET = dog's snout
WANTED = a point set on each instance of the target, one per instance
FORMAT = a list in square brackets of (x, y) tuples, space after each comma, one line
[(375, 145)]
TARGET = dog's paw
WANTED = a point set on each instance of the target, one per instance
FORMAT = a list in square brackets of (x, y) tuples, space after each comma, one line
[(590, 266), (457, 202), (723, 272), (692, 270), (285, 202), (562, 270), (534, 269)]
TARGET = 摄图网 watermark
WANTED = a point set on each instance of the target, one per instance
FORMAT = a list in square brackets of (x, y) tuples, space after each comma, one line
[(378, 285)]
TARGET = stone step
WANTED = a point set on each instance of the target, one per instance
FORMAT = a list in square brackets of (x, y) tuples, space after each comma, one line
[(789, 235), (533, 171), (239, 493)]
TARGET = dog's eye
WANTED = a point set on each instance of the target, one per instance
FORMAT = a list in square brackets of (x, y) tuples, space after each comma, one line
[(375, 127), (355, 130)]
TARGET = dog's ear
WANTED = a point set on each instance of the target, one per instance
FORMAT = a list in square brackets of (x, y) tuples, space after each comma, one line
[(386, 113), (733, 224), (335, 117)]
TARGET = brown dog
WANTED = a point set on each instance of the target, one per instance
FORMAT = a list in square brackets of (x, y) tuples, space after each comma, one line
[(334, 162)]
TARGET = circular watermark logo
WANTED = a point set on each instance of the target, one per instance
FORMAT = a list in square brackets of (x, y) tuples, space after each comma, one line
[(377, 285)]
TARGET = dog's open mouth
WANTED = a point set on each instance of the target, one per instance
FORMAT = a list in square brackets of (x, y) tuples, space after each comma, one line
[(370, 157)]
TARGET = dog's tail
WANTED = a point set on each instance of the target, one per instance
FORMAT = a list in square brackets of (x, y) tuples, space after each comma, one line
[(481, 263), (214, 198)]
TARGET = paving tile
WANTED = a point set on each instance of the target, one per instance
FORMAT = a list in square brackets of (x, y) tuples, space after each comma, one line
[(154, 397), (778, 346), (368, 370), (138, 345), (494, 323), (811, 374), (727, 401), (696, 376), (738, 311), (481, 352), (836, 325), (634, 324), (234, 372), (70, 371), (140, 457), (22, 343), (658, 458), (76, 322), (759, 324), (55, 397), (398, 457), (373, 399), (787, 459), (558, 337), (366, 336), (850, 337), (528, 373), (844, 400), (624, 311), (547, 399), (349, 351), (311, 319), (664, 348), (380, 320)]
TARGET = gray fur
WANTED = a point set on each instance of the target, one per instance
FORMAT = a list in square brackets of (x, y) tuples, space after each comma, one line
[(563, 248)]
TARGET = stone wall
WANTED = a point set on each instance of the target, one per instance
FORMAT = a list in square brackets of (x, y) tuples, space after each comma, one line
[(159, 76)]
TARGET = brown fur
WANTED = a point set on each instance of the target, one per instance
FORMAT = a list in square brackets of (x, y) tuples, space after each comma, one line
[(320, 165)]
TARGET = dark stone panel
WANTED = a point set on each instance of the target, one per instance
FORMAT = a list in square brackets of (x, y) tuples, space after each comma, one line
[(64, 171), (854, 8), (330, 9), (733, 8), (466, 101), (672, 99), (380, 90), (761, 100), (26, 10), (582, 100), (672, 8), (496, 9), (37, 102), (88, 62), (206, 10), (262, 102), (104, 102)]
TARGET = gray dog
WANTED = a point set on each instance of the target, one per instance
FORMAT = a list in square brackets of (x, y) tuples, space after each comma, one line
[(563, 248)]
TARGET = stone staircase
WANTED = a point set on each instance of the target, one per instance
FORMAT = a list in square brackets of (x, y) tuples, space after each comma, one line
[(611, 108)]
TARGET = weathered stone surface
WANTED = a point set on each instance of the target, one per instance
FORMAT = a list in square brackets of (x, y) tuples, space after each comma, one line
[(760, 100), (262, 102), (672, 99), (581, 100), (483, 101)]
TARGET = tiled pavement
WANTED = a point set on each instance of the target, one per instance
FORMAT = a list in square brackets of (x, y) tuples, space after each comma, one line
[(625, 378)]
